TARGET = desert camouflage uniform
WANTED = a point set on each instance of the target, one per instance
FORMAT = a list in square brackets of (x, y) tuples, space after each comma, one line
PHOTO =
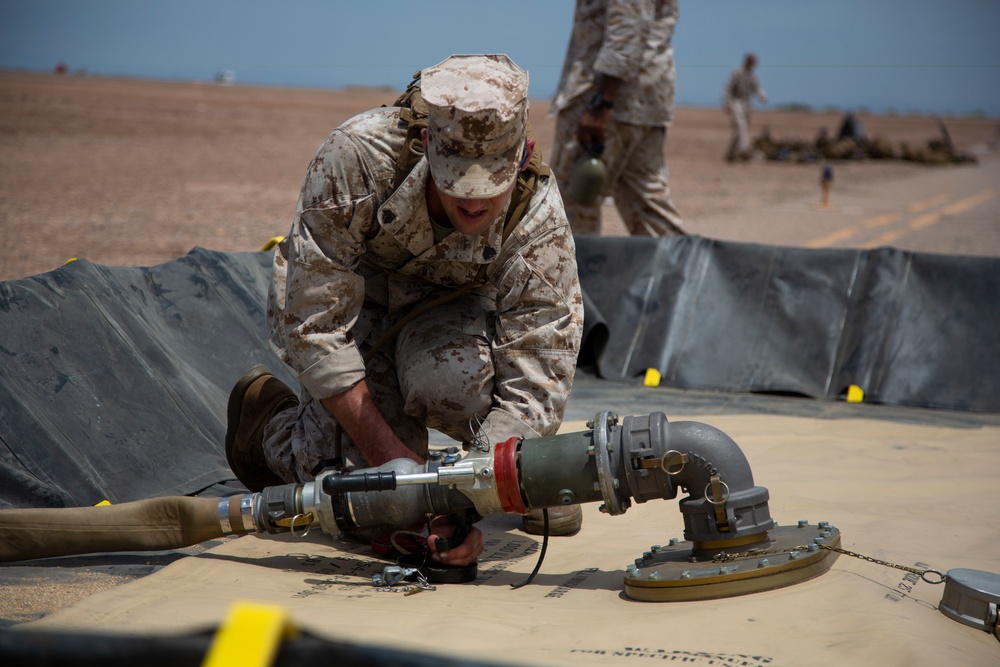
[(742, 86), (360, 255), (629, 40)]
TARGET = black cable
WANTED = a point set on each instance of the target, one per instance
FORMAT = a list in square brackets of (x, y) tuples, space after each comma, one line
[(541, 555)]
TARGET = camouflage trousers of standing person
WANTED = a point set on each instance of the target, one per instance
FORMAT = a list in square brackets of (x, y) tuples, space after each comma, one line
[(637, 176), (739, 119), (436, 373)]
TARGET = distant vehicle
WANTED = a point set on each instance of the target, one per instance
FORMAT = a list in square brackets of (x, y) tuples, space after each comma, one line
[(225, 77)]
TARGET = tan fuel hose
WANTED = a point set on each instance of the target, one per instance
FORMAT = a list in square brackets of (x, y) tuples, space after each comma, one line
[(144, 525)]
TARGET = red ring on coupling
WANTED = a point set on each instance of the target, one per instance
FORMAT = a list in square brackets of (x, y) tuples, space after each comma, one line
[(505, 467)]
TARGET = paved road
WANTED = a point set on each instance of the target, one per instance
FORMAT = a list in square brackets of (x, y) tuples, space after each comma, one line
[(952, 210)]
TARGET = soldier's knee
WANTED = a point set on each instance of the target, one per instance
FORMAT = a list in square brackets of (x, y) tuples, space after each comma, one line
[(452, 382)]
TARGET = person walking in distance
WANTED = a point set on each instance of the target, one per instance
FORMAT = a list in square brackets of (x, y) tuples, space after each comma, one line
[(615, 102), (742, 87)]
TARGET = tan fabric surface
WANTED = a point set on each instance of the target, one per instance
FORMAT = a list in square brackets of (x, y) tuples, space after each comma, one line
[(915, 495)]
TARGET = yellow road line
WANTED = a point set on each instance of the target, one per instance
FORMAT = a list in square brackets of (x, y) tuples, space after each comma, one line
[(924, 221), (965, 204), (919, 222), (848, 232), (919, 206), (880, 220), (839, 235), (884, 239)]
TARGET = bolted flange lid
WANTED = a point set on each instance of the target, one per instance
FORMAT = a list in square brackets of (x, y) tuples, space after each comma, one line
[(784, 556)]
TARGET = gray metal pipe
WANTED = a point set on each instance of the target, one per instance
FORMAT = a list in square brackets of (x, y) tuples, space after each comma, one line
[(641, 458)]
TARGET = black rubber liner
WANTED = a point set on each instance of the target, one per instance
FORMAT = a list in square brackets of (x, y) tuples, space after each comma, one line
[(909, 329), (114, 380)]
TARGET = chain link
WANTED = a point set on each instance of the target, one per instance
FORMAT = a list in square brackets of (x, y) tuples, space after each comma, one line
[(922, 573), (756, 553)]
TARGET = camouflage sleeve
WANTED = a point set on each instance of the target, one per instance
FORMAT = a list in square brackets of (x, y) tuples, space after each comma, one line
[(316, 293), (625, 33), (539, 326)]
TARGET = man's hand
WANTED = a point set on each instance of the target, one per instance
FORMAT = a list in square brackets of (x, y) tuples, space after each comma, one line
[(466, 553), (594, 122), (593, 127)]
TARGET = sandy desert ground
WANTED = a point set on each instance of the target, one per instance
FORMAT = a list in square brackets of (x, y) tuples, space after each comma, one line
[(132, 172)]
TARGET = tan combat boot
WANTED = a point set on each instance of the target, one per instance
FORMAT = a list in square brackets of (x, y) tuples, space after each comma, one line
[(255, 399), (563, 520)]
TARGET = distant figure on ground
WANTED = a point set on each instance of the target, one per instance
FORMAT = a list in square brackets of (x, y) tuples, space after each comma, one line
[(851, 128), (742, 87), (616, 100), (825, 183)]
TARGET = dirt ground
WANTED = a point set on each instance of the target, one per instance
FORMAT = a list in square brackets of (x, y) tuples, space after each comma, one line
[(136, 173)]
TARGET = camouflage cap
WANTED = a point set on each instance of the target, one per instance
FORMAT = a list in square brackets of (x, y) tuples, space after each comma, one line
[(477, 108)]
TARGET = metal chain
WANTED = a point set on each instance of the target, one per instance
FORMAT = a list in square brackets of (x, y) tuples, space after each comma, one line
[(923, 573), (756, 553), (387, 580), (409, 589), (753, 553)]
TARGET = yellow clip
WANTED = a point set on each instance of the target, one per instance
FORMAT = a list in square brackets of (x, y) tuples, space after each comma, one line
[(652, 378), (855, 394), (250, 636), (271, 242), (102, 503), (296, 521)]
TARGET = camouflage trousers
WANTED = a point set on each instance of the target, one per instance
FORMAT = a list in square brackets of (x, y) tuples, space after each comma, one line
[(637, 176), (436, 373), (739, 119)]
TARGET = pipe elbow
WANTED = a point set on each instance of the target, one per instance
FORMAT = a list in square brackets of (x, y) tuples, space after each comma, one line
[(723, 503), (710, 453)]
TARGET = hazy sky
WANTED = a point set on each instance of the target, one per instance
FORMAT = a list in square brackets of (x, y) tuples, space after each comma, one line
[(939, 56)]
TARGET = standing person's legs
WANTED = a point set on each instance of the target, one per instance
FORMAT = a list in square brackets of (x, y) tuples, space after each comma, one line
[(566, 150), (734, 143), (740, 146), (640, 189)]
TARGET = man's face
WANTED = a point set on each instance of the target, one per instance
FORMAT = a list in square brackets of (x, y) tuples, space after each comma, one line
[(472, 216)]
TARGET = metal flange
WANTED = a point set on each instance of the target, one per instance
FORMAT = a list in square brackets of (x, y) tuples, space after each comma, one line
[(680, 571)]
